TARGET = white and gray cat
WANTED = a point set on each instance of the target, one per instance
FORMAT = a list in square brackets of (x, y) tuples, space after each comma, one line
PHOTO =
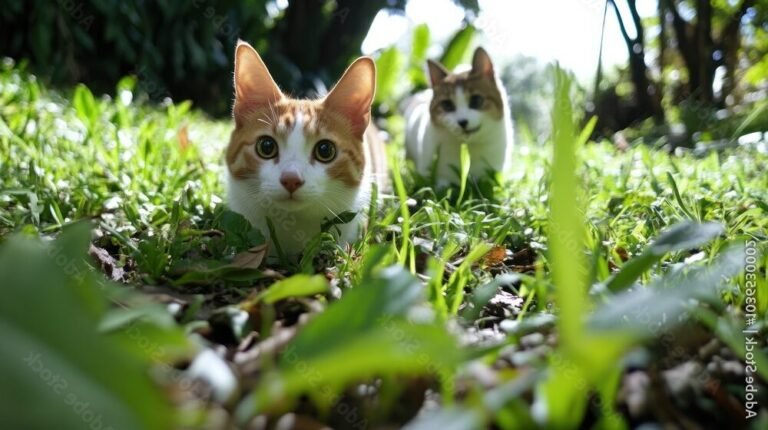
[(468, 106)]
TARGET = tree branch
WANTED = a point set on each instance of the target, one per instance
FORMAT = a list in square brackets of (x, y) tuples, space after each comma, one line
[(622, 27), (680, 25), (735, 20), (637, 21)]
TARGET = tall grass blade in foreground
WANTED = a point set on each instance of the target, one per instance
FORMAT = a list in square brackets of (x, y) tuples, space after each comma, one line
[(581, 359)]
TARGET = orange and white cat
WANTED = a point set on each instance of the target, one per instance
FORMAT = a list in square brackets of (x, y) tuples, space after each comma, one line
[(466, 106), (302, 162)]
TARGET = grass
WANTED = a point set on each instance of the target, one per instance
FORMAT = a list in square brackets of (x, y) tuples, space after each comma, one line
[(441, 291)]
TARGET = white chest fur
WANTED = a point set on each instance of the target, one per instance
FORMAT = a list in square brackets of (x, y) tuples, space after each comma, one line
[(294, 227)]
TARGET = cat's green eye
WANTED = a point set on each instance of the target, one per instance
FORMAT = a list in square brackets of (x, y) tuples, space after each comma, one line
[(476, 101), (325, 151), (266, 147), (447, 105)]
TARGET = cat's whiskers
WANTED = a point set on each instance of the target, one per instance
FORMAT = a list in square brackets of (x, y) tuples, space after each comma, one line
[(336, 199), (266, 120), (273, 114), (331, 211)]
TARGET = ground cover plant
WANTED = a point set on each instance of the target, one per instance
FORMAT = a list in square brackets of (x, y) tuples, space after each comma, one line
[(592, 288)]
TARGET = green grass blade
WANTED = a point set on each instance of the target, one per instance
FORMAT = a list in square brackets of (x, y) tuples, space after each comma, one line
[(402, 195), (676, 192), (464, 172), (566, 230)]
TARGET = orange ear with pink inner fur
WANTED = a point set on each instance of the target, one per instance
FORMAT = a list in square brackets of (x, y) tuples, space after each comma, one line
[(254, 86), (353, 94)]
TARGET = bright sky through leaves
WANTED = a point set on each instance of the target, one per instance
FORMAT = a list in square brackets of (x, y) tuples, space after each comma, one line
[(514, 27)]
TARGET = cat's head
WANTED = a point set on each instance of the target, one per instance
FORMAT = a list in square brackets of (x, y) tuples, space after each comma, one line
[(299, 154), (464, 102)]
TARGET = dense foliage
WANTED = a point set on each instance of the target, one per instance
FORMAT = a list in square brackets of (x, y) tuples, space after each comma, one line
[(604, 283), (476, 305), (696, 64)]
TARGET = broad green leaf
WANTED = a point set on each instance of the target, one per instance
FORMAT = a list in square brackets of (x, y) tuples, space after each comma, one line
[(73, 241), (393, 346), (364, 334), (53, 357), (389, 67), (420, 44), (238, 232), (391, 292), (680, 237), (419, 47), (641, 313), (205, 273), (457, 49), (342, 218), (85, 105), (295, 286)]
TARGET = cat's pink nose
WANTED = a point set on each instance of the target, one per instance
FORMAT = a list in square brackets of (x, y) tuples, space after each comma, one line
[(291, 181)]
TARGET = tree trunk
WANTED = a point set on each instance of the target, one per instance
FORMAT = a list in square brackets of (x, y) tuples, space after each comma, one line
[(662, 14), (346, 31), (302, 25), (317, 44), (730, 44), (704, 53), (646, 95), (682, 29), (699, 48)]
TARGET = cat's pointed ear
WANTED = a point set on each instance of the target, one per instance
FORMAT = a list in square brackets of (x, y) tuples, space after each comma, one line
[(353, 94), (254, 86), (437, 72), (482, 64)]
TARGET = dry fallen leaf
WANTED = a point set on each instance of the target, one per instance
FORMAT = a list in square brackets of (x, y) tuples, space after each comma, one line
[(106, 262), (183, 138), (495, 256), (250, 259)]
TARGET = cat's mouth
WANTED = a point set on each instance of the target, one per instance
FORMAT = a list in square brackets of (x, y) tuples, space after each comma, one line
[(468, 131), (292, 201)]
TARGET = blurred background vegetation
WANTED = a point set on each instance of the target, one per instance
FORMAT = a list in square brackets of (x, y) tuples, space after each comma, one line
[(695, 61), (542, 346), (687, 64)]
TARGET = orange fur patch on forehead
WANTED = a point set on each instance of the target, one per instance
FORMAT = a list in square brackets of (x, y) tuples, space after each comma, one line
[(275, 119), (279, 119)]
